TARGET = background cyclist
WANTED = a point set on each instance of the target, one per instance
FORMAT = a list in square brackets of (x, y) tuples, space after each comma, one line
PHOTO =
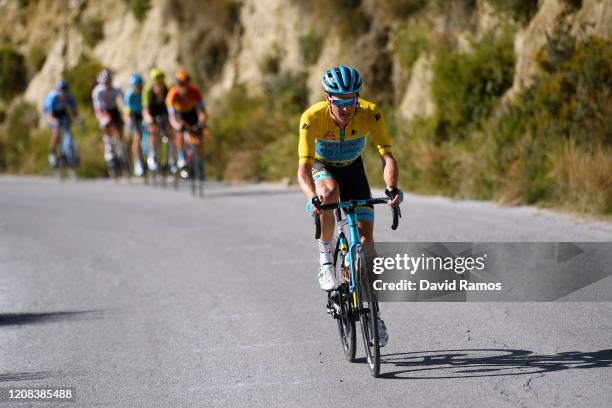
[(105, 96), (59, 104), (186, 107), (332, 137), (156, 115), (133, 109)]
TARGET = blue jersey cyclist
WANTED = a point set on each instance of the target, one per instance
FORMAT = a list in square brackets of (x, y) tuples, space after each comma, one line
[(332, 136), (58, 107), (132, 102)]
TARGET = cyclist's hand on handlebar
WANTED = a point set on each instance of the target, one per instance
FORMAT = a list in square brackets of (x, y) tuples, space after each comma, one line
[(313, 206), (396, 196)]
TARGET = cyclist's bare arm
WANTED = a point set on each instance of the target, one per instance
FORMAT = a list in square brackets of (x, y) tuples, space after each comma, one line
[(390, 174), (202, 116), (304, 176), (147, 116), (176, 124)]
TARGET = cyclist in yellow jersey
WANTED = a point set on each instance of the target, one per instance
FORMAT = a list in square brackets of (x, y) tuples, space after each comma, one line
[(332, 136)]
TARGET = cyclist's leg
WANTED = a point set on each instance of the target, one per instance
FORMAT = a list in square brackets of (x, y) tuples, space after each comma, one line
[(136, 136), (107, 134), (326, 188), (180, 148), (136, 153), (55, 129), (67, 150), (153, 131), (117, 121), (117, 124), (136, 129), (328, 191), (179, 140), (198, 138)]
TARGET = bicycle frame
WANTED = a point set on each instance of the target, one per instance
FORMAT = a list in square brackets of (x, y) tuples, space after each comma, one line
[(349, 208), (354, 240)]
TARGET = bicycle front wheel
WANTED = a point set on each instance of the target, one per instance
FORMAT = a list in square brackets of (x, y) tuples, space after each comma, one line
[(368, 314), (346, 322)]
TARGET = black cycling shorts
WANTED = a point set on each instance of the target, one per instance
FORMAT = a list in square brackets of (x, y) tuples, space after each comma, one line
[(116, 118), (352, 182), (191, 117)]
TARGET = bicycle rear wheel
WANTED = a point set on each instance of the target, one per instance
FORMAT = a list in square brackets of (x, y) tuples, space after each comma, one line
[(368, 313), (345, 320)]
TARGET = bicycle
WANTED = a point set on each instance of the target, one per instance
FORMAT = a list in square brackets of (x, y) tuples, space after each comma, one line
[(165, 152), (119, 165), (194, 170), (148, 176), (355, 298), (66, 152)]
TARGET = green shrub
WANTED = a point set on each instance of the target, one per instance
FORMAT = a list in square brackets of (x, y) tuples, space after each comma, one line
[(552, 142), (82, 79), (346, 16), (310, 47), (270, 64), (92, 31), (576, 4), (140, 8), (255, 138), (36, 58), (16, 134), (409, 42), (13, 73), (519, 10), (403, 8), (288, 92), (214, 59), (467, 86), (90, 147)]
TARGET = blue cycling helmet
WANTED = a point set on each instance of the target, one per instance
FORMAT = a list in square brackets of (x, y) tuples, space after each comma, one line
[(136, 79), (341, 80), (61, 85)]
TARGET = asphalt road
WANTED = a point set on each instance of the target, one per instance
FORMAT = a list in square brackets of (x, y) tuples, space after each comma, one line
[(141, 297)]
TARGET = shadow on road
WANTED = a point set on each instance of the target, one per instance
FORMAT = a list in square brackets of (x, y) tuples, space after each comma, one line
[(40, 375), (469, 363), (18, 319)]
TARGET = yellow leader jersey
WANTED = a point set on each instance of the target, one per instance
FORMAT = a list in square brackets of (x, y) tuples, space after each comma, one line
[(322, 140)]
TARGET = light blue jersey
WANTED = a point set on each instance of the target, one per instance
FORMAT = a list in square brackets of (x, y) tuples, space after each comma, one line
[(133, 101)]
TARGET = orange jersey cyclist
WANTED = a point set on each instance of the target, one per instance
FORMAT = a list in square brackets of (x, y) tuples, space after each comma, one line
[(187, 111), (332, 136)]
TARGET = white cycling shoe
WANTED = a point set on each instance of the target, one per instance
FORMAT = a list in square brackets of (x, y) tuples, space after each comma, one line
[(180, 163), (326, 277), (151, 163), (138, 170), (52, 160), (383, 337)]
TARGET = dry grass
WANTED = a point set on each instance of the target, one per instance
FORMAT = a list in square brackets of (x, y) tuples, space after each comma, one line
[(585, 178)]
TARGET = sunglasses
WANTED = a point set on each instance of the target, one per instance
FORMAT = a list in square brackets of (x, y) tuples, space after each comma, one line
[(344, 102)]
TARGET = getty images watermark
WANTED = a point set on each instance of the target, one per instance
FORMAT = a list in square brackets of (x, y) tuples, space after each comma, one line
[(534, 271)]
